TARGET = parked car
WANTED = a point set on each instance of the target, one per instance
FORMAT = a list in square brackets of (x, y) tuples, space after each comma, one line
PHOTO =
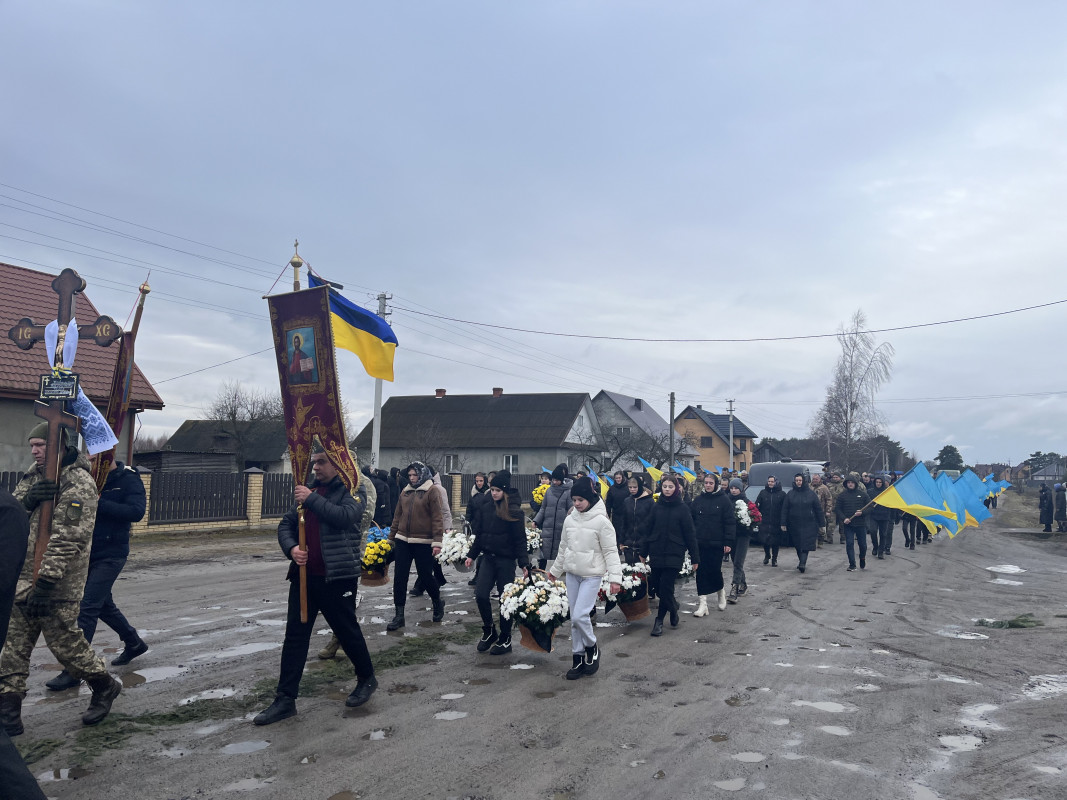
[(783, 470)]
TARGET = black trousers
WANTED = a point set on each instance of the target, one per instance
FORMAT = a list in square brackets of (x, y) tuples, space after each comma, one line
[(97, 603), (16, 780), (499, 572), (662, 580), (422, 555), (338, 606), (709, 576)]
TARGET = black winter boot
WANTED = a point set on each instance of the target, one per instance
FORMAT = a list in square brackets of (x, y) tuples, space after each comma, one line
[(63, 680), (11, 713), (282, 708), (397, 622), (732, 597), (417, 590), (577, 669), (657, 627), (487, 640), (438, 609), (130, 652), (591, 662), (105, 690)]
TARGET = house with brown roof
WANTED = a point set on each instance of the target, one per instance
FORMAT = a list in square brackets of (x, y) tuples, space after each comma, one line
[(28, 293), (711, 436)]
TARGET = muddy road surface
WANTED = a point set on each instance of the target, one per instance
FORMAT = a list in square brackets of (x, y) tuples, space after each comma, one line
[(832, 684)]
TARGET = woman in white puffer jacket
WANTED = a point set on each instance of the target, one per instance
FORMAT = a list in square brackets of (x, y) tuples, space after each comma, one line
[(587, 553)]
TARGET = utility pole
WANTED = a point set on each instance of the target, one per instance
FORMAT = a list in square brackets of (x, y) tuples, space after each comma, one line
[(731, 409), (670, 426), (376, 427)]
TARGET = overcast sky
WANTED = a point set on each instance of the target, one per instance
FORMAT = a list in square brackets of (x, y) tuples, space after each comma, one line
[(643, 169)]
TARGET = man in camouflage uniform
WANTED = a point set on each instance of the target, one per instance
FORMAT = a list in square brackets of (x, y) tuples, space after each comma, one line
[(52, 603), (826, 500), (836, 487)]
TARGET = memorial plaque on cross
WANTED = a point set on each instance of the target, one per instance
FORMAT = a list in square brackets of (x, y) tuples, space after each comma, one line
[(25, 334)]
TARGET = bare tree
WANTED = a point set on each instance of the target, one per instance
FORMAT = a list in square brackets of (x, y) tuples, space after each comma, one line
[(145, 443), (849, 414), (235, 406), (428, 445), (631, 444)]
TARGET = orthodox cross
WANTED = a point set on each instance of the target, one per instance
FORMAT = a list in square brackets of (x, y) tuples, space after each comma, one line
[(25, 334)]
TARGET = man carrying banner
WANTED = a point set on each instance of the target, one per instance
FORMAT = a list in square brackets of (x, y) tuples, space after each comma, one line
[(332, 517), (51, 604)]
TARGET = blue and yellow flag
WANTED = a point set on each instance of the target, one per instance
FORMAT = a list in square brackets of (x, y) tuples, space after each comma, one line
[(954, 502), (917, 494), (972, 502), (599, 479), (657, 474), (359, 331)]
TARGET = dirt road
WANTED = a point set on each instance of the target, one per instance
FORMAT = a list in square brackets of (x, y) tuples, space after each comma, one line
[(872, 684)]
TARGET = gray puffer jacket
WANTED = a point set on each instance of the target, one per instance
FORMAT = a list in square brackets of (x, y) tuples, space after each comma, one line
[(550, 518), (340, 515)]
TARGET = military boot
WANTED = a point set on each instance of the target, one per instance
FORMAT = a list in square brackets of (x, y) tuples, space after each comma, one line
[(11, 713), (105, 690), (330, 650)]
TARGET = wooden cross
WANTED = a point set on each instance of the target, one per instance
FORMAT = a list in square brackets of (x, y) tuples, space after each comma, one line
[(25, 334)]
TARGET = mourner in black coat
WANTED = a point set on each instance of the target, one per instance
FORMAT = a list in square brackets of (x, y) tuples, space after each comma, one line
[(769, 502), (668, 534), (802, 518)]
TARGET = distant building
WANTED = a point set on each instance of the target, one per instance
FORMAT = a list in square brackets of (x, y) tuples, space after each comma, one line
[(208, 445), (28, 293), (765, 453), (483, 432), (711, 433), (623, 417), (1052, 473)]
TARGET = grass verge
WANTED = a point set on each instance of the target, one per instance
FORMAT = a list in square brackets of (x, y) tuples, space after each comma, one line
[(1021, 621)]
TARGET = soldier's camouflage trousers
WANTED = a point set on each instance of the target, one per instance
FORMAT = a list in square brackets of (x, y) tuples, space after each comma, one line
[(63, 637)]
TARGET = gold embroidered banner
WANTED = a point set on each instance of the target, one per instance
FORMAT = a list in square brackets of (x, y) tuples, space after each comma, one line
[(307, 372)]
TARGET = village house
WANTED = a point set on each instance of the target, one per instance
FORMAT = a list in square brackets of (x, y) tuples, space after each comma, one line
[(632, 429), (711, 436), (209, 445)]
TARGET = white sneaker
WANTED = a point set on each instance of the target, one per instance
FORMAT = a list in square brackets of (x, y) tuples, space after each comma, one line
[(722, 599), (702, 609)]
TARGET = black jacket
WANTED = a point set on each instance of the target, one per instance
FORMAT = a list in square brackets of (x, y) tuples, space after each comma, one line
[(14, 539), (383, 507), (339, 516), (635, 513), (802, 516), (501, 537), (122, 502), (1061, 505), (714, 520), (769, 502), (877, 512), (668, 533), (474, 506), (849, 502), (617, 494)]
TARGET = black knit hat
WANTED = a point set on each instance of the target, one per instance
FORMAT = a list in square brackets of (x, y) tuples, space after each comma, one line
[(502, 480), (583, 487), (560, 473)]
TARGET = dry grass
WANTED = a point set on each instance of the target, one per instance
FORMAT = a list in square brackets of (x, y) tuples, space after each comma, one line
[(1016, 510)]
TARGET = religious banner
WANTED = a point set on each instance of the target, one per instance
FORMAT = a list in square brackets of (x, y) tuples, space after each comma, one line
[(307, 371), (117, 404)]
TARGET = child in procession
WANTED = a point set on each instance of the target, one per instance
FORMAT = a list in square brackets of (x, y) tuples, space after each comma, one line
[(669, 532), (587, 553)]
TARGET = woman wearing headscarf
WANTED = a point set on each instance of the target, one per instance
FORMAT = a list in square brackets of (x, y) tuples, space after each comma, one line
[(714, 521), (554, 509), (668, 533), (636, 507), (418, 528), (802, 518), (769, 502), (742, 536)]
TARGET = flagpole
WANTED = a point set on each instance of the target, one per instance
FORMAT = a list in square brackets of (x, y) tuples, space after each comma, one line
[(376, 425), (296, 262), (144, 289)]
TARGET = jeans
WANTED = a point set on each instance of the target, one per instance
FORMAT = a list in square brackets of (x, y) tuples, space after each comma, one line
[(739, 553), (855, 533), (422, 555), (97, 603), (338, 605), (582, 594), (494, 571)]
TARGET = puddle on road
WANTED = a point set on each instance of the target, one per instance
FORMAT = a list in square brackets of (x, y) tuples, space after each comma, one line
[(746, 655), (977, 716), (638, 763), (522, 666), (792, 756), (920, 792), (208, 694), (377, 620), (849, 767), (404, 688), (477, 682), (749, 758), (782, 664), (131, 679), (544, 695), (1006, 582), (960, 744), (781, 721), (825, 705), (882, 652), (240, 748), (737, 700), (173, 752), (835, 730), (868, 673), (622, 655), (240, 650), (153, 674), (955, 679), (452, 696), (719, 737), (733, 785), (64, 774), (248, 785), (378, 735), (1048, 770), (955, 632), (1006, 569), (1045, 685), (450, 715), (271, 622), (867, 687)]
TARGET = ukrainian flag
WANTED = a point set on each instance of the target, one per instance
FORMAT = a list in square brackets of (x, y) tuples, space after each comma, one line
[(603, 484), (972, 502), (656, 474), (359, 331), (954, 502), (917, 494)]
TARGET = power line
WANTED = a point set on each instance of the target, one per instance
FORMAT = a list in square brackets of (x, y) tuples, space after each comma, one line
[(735, 341), (213, 366)]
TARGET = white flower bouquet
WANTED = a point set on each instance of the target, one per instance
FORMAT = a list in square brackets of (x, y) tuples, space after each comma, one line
[(741, 510), (686, 572), (533, 538), (634, 584), (454, 547), (539, 605)]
